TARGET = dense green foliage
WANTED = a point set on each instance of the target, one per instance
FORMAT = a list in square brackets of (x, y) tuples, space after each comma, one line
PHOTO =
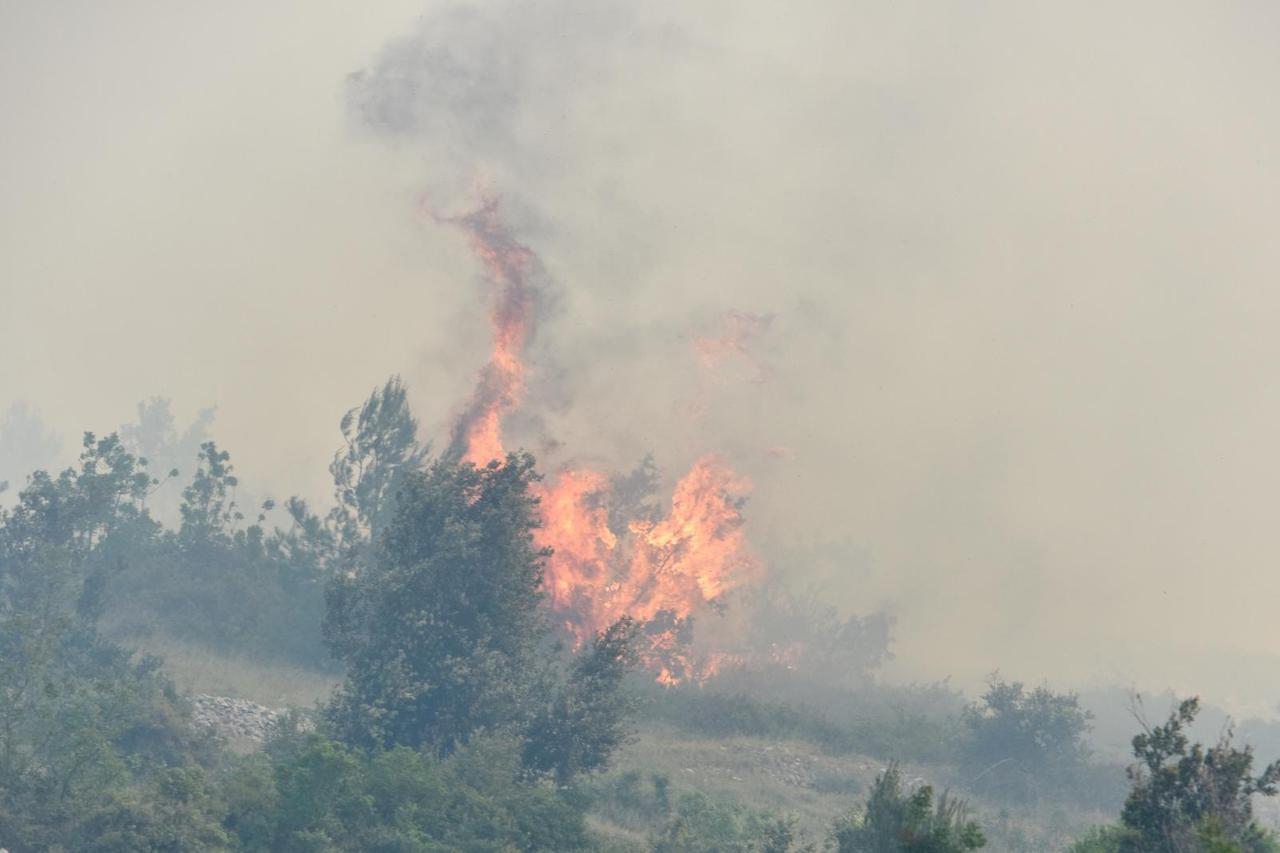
[(1023, 743), (908, 821), (461, 723), (443, 634), (440, 634), (310, 793), (84, 730), (97, 751)]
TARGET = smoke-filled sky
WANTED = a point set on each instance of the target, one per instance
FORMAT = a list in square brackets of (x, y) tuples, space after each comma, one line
[(1003, 275)]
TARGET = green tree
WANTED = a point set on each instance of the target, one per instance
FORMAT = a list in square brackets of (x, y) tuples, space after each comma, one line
[(1023, 743), (79, 720), (589, 716), (897, 821), (442, 632), (1187, 797)]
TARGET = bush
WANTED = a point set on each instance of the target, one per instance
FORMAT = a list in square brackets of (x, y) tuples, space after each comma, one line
[(897, 821), (1187, 797), (1024, 744), (311, 793)]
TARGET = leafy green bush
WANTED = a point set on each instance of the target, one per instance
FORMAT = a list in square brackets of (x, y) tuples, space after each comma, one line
[(1024, 744), (1189, 797), (311, 793), (898, 821)]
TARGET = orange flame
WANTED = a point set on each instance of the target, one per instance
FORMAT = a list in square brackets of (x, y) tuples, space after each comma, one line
[(511, 268), (673, 568), (660, 572)]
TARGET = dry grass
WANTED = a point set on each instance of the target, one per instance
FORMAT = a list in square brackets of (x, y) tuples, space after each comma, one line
[(199, 669), (795, 778)]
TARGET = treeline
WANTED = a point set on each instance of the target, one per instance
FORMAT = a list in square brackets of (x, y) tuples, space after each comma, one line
[(461, 722)]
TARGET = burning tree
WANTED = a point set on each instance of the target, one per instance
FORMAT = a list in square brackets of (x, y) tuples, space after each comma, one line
[(608, 555), (444, 636)]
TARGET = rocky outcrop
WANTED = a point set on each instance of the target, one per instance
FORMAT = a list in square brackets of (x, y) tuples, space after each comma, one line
[(237, 720)]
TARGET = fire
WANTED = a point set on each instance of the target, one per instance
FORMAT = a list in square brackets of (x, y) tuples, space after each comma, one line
[(671, 568), (661, 571), (511, 267)]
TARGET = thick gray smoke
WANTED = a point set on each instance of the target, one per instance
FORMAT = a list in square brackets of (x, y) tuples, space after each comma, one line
[(1020, 263)]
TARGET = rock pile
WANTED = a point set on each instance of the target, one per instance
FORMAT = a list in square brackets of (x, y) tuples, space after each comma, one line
[(237, 720)]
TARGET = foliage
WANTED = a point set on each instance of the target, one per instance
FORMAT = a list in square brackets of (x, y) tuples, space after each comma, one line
[(236, 588), (443, 633), (317, 794), (898, 821), (913, 722), (1024, 744), (155, 437), (440, 634), (83, 728), (222, 578), (380, 450), (701, 825), (589, 716), (1187, 797)]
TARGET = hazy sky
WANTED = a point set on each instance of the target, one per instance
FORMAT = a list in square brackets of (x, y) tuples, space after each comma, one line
[(1019, 384)]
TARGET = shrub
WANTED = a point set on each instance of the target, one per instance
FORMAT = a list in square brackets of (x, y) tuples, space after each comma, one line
[(897, 821), (1024, 744)]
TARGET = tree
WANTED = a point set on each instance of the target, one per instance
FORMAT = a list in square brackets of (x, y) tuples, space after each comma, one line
[(209, 512), (155, 437), (896, 821), (1187, 797), (441, 633), (78, 717), (380, 450), (1024, 743), (589, 716)]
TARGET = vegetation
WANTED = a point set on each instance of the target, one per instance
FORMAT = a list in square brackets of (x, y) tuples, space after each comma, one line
[(1024, 744), (458, 721), (455, 704), (1189, 797), (907, 821)]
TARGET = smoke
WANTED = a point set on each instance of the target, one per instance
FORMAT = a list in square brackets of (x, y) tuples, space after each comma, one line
[(27, 443), (1019, 262)]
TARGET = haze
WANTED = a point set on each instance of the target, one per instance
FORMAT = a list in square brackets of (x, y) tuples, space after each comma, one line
[(1017, 385)]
